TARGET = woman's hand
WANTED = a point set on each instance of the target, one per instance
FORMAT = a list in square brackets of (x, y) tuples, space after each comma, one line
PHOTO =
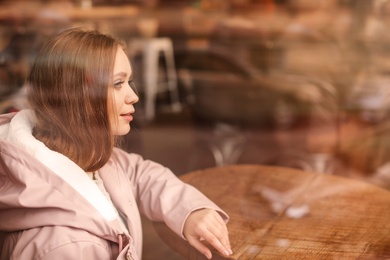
[(207, 224)]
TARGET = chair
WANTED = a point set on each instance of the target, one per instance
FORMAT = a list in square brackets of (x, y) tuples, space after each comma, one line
[(150, 49), (226, 144), (311, 145), (216, 144)]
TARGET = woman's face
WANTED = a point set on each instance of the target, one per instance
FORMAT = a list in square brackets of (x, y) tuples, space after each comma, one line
[(123, 96)]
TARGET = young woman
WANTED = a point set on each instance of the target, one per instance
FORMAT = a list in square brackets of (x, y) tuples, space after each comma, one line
[(66, 191)]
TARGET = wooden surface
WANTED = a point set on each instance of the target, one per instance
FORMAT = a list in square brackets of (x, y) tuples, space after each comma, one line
[(282, 213)]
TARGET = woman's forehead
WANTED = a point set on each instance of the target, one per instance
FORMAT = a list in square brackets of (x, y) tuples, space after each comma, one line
[(122, 65)]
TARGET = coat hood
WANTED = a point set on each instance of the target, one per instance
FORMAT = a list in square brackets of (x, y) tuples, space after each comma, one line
[(40, 187)]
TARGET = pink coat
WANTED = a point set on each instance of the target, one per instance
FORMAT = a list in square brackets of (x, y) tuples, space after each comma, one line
[(50, 209)]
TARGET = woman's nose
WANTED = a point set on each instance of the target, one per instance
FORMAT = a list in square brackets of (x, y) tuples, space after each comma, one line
[(131, 97)]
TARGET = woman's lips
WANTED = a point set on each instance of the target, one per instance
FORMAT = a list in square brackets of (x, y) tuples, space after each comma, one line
[(127, 116)]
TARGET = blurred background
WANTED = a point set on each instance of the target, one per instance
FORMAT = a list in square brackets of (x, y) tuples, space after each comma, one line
[(295, 83)]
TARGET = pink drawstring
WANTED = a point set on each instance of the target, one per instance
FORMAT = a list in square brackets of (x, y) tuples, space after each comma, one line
[(123, 242), (120, 242)]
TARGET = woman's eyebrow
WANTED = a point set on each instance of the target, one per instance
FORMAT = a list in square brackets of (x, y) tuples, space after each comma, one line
[(122, 74)]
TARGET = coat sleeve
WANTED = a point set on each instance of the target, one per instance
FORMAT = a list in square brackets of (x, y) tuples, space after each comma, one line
[(160, 195)]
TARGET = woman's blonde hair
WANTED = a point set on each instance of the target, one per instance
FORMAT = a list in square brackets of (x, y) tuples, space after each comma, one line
[(69, 95)]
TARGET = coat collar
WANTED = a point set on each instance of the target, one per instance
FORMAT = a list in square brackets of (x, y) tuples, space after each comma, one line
[(19, 132)]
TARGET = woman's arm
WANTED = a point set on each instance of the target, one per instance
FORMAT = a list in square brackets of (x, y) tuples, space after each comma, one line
[(161, 196)]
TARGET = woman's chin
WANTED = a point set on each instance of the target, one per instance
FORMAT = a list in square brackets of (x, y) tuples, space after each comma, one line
[(122, 130)]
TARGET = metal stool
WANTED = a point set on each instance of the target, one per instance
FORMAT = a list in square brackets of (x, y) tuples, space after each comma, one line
[(151, 49)]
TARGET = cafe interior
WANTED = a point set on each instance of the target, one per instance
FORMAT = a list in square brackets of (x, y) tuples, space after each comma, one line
[(300, 84)]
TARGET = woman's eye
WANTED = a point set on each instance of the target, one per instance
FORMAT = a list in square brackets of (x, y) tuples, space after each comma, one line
[(118, 84)]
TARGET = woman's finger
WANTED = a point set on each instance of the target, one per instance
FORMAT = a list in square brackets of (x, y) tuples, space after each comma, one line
[(217, 240), (220, 232), (219, 229), (208, 225), (195, 242)]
